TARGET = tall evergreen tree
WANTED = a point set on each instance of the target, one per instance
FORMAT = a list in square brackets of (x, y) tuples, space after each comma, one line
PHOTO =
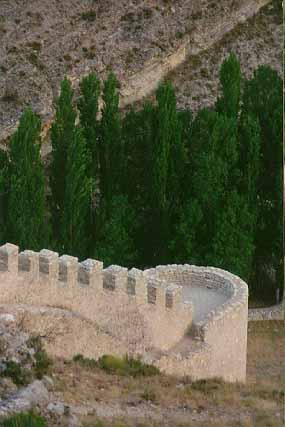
[(138, 133), (263, 100), (4, 190), (167, 169), (62, 134), (25, 222), (77, 194), (88, 107), (249, 157), (116, 243), (233, 243), (230, 80), (111, 156)]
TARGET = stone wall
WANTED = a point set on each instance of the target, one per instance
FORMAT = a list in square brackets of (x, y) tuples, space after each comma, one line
[(83, 308), (139, 312), (275, 312), (222, 333)]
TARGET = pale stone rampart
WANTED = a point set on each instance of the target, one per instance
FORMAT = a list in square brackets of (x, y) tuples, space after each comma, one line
[(130, 311), (222, 332)]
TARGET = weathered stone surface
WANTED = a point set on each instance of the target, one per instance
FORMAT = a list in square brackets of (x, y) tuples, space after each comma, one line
[(24, 399)]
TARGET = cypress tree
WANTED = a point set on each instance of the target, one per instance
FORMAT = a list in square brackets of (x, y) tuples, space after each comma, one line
[(77, 194), (249, 134), (168, 159), (111, 156), (230, 80), (116, 244), (25, 224), (62, 134), (263, 100), (4, 189), (88, 108), (232, 247), (138, 134)]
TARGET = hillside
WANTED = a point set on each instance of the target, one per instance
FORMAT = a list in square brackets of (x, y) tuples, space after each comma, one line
[(141, 41)]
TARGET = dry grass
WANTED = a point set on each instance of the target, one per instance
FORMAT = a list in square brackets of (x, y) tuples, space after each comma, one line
[(164, 400)]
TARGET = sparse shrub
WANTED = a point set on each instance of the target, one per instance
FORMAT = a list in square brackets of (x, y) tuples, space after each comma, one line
[(89, 15), (208, 385), (10, 94), (42, 365), (19, 375), (23, 419), (126, 366), (78, 358), (149, 395), (35, 45), (119, 366), (147, 13), (85, 361), (35, 343)]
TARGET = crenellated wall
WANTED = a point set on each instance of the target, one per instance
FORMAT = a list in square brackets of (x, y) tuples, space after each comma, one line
[(140, 312), (115, 310)]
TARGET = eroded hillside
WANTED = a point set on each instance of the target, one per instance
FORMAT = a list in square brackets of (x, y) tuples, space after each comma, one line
[(41, 41)]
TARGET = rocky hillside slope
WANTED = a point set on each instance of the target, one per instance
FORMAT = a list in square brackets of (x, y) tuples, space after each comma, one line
[(141, 40)]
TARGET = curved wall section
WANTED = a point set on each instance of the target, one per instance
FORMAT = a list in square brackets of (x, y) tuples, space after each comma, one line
[(137, 312)]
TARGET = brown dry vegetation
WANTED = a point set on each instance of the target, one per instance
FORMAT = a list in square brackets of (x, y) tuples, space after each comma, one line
[(102, 400)]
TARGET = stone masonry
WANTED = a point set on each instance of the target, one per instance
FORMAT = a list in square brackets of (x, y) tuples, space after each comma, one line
[(79, 307)]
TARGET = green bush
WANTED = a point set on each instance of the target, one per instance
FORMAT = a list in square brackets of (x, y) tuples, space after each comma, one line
[(85, 361), (19, 375), (126, 366), (149, 395), (42, 364), (89, 15), (116, 365), (24, 420)]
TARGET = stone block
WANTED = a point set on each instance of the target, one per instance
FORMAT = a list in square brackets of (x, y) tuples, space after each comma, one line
[(137, 285), (173, 296), (68, 269), (29, 261), (48, 262), (90, 273), (115, 278), (9, 258)]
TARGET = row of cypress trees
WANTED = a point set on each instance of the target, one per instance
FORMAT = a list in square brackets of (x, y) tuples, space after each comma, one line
[(157, 185)]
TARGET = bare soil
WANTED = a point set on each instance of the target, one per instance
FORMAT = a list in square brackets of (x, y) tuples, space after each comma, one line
[(101, 400)]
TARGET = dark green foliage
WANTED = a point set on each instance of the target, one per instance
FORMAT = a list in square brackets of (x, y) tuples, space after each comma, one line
[(111, 154), (89, 15), (166, 171), (249, 157), (88, 107), (230, 79), (262, 100), (115, 243), (3, 191), (42, 364), (19, 375), (120, 366), (62, 134), (77, 195), (234, 231), (24, 419), (85, 361), (25, 221)]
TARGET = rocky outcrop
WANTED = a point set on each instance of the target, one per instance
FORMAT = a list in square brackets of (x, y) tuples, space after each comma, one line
[(169, 36)]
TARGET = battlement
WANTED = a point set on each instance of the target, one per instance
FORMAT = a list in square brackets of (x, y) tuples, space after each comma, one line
[(66, 271), (196, 314)]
